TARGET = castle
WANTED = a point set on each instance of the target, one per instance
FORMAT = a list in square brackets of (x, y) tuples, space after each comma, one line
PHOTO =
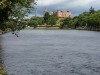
[(60, 14)]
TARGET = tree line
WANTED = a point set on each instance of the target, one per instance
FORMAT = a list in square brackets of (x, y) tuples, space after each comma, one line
[(87, 20), (46, 20)]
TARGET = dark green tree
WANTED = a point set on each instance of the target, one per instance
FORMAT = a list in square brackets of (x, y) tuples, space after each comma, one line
[(34, 21), (66, 22), (52, 20), (46, 17), (13, 9), (91, 10)]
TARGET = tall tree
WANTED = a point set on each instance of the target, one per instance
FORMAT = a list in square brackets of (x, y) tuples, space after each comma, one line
[(46, 17), (13, 9), (52, 20), (34, 21), (91, 10)]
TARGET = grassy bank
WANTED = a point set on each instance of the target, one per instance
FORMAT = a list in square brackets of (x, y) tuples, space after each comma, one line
[(2, 71)]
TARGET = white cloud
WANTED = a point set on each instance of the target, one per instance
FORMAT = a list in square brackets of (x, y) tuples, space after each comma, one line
[(67, 2), (75, 6), (80, 2), (49, 2)]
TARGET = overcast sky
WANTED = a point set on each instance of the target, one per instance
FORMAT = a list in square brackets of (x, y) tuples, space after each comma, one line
[(75, 6)]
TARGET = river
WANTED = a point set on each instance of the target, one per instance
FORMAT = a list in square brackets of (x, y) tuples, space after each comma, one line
[(51, 52)]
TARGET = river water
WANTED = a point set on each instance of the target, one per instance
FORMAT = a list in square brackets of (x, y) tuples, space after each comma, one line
[(51, 52)]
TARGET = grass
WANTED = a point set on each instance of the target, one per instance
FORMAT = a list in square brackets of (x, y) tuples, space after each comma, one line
[(2, 71)]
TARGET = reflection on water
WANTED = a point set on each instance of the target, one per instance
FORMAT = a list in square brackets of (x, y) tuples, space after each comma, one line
[(52, 52)]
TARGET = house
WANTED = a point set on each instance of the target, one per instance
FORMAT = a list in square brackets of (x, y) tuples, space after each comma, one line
[(59, 13)]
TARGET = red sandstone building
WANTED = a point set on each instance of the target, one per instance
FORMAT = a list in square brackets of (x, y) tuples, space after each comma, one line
[(60, 14)]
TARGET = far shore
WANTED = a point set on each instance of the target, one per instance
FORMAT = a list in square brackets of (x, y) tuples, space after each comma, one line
[(57, 28)]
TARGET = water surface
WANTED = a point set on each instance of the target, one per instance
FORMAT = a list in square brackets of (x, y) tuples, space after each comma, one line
[(52, 52)]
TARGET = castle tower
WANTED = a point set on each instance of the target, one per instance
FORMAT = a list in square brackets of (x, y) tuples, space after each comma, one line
[(45, 10), (35, 12)]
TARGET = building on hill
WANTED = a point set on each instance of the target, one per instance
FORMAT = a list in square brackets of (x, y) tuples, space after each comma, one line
[(62, 14), (59, 13)]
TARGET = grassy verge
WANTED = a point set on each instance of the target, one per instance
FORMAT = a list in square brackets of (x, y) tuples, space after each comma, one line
[(2, 71)]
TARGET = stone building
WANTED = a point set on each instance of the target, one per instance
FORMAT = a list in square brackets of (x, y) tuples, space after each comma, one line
[(60, 14)]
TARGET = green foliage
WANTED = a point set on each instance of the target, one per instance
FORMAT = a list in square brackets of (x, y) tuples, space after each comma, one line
[(93, 21), (52, 20), (13, 9), (34, 21), (66, 22), (46, 17), (87, 20), (91, 10)]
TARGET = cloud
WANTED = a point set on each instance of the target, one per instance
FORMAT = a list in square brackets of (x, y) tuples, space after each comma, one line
[(75, 6), (77, 3), (49, 2), (67, 2)]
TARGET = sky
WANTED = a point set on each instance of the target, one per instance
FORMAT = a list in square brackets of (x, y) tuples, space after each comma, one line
[(75, 6)]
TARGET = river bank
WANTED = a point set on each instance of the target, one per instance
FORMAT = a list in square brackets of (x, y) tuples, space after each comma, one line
[(58, 28), (2, 71)]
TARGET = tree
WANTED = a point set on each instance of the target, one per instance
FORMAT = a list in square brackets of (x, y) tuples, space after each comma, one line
[(52, 20), (65, 22), (13, 9), (91, 10), (46, 17), (74, 22), (34, 21), (86, 20)]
